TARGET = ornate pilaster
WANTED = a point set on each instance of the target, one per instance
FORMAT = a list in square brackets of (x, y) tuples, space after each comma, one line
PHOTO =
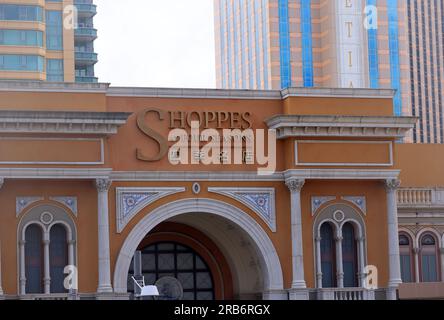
[(416, 259), (298, 284), (47, 276), (104, 285), (22, 278), (392, 220), (442, 264), (339, 266)]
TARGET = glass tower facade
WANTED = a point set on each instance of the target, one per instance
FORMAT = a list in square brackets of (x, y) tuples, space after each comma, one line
[(337, 43), (36, 45)]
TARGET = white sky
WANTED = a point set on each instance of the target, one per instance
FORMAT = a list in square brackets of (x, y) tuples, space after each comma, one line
[(155, 43)]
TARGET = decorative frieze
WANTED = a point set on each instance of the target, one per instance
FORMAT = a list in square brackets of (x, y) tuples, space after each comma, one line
[(260, 200), (21, 203), (131, 200), (70, 202)]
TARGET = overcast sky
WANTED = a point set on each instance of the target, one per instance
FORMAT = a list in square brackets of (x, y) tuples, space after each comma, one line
[(155, 43)]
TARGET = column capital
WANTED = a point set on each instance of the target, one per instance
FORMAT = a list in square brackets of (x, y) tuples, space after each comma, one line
[(295, 185), (441, 250), (318, 238), (71, 242), (416, 250), (392, 184), (2, 182), (103, 185)]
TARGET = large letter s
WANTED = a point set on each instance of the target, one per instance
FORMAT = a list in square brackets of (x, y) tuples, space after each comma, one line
[(163, 144)]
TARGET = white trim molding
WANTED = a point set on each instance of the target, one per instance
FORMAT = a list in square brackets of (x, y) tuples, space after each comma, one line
[(54, 173), (79, 122), (347, 164), (260, 200), (269, 259), (129, 201), (341, 174), (340, 126), (193, 176)]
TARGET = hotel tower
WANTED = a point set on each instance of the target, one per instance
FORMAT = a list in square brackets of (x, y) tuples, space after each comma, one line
[(394, 44), (42, 41)]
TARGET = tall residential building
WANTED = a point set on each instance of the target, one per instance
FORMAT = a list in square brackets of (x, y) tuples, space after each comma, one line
[(39, 42), (275, 44)]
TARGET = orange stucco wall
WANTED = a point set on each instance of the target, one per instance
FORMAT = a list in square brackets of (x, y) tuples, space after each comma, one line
[(420, 166)]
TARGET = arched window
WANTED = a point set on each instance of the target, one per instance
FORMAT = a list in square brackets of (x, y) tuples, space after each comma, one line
[(328, 256), (349, 256), (405, 255), (58, 257), (429, 258), (34, 259)]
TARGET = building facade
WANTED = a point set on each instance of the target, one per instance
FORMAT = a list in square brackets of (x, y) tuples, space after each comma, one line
[(47, 40), (90, 187), (342, 43)]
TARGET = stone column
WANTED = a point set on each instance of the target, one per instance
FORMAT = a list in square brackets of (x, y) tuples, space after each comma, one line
[(442, 264), (22, 267), (104, 286), (393, 238), (298, 286), (339, 266), (1, 289), (46, 276), (361, 248), (318, 263), (416, 257), (71, 244)]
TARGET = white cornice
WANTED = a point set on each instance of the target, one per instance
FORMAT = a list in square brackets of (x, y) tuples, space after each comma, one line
[(341, 174), (100, 123), (340, 126), (193, 176), (54, 173), (194, 93), (153, 176), (105, 88), (39, 86)]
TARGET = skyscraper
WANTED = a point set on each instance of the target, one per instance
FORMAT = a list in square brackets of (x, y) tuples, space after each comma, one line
[(41, 40), (274, 44)]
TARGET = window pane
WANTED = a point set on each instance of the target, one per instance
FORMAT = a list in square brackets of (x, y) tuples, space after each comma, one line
[(58, 258), (349, 256), (33, 259), (328, 257)]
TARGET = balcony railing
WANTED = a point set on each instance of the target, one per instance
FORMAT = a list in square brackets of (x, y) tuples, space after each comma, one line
[(345, 294), (420, 197), (86, 79), (86, 32), (86, 57)]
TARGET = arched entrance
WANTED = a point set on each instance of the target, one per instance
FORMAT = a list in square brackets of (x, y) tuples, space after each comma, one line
[(252, 259), (183, 252)]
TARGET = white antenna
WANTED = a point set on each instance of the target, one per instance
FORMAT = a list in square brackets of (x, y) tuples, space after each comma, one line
[(146, 291)]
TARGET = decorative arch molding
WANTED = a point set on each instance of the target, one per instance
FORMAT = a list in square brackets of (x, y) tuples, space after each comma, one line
[(410, 234), (337, 215), (318, 203), (273, 277), (431, 231)]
